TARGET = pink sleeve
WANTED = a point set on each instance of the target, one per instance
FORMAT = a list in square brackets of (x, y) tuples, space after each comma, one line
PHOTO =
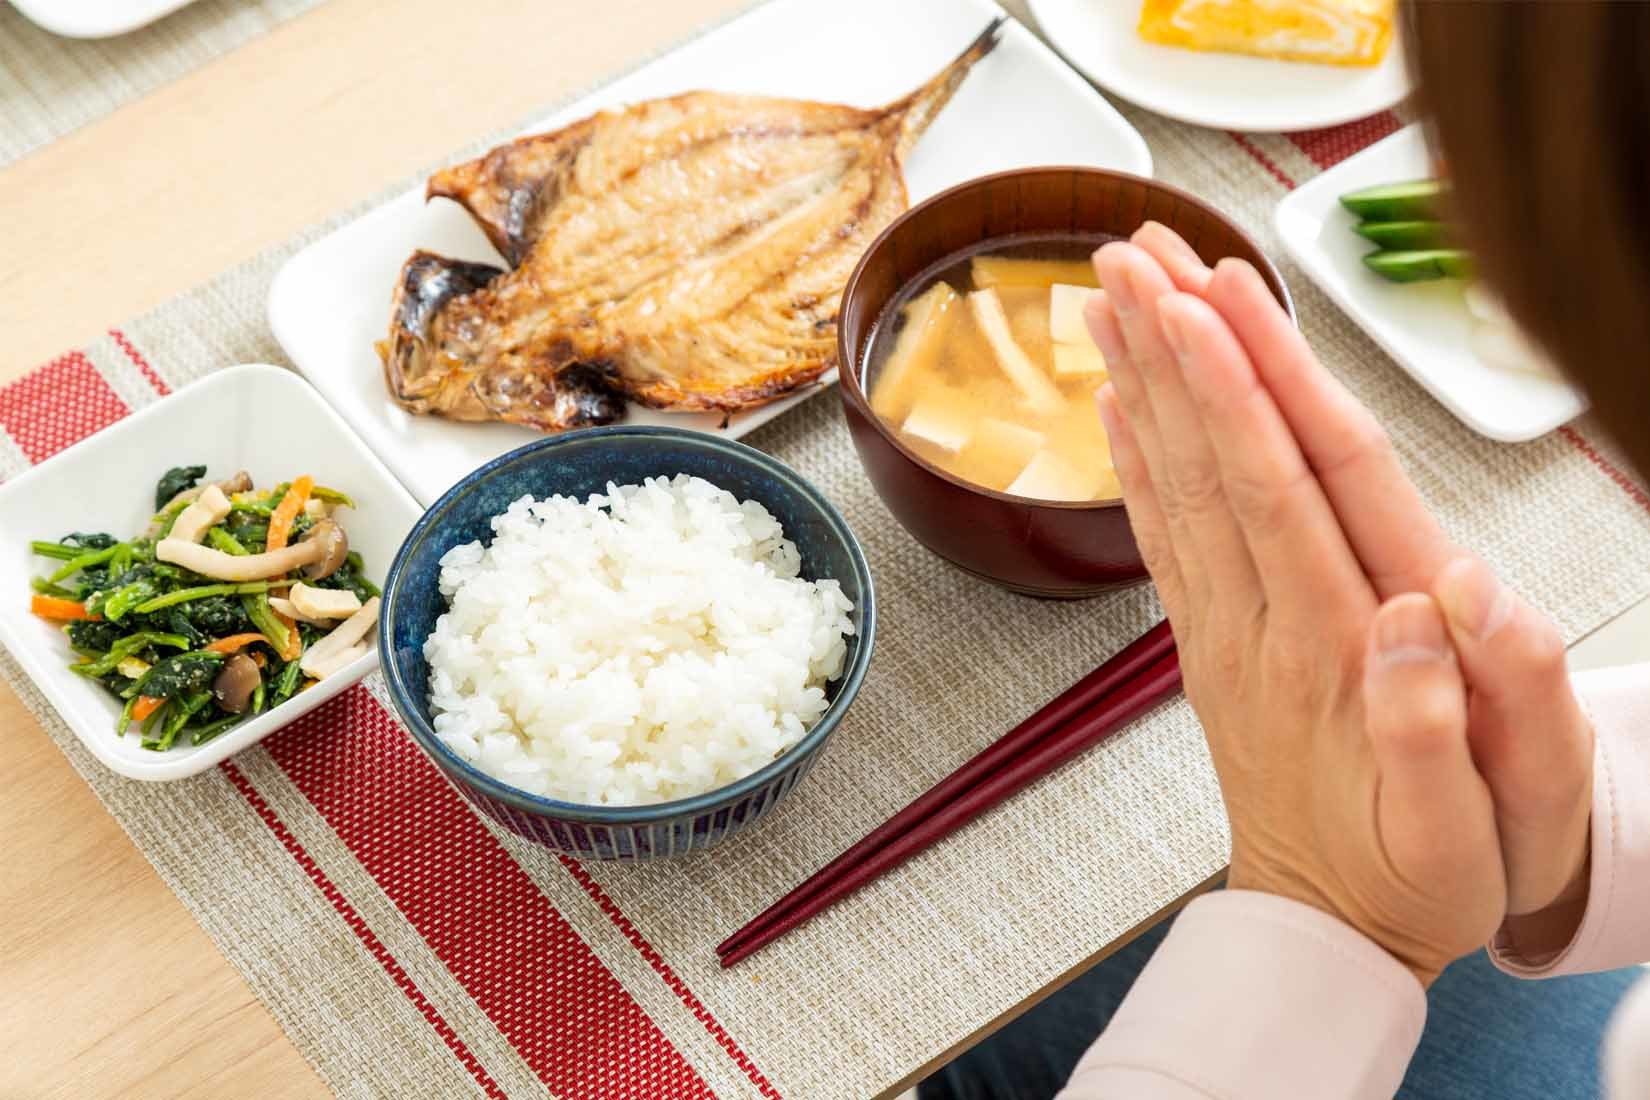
[(1253, 996), (1615, 930)]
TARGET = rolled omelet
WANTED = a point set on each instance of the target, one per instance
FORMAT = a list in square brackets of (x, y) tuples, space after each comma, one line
[(1334, 32)]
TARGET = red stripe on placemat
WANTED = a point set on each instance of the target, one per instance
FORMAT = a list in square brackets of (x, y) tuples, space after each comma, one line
[(662, 968), (1261, 158), (522, 962), (359, 927), (57, 405), (149, 373), (1611, 470), (1328, 147)]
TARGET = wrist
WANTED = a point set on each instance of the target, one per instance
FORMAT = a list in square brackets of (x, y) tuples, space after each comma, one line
[(1255, 875)]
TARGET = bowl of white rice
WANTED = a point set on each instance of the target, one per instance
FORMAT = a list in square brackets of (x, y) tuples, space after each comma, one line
[(629, 642)]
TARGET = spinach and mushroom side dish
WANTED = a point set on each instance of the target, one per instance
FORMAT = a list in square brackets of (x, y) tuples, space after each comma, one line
[(229, 603)]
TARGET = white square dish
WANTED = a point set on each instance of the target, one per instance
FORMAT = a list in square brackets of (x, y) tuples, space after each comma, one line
[(1021, 106), (259, 418), (1425, 327)]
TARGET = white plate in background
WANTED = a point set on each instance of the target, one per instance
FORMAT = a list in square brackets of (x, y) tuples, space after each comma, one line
[(1021, 106), (257, 418), (95, 18), (1221, 90), (1425, 327)]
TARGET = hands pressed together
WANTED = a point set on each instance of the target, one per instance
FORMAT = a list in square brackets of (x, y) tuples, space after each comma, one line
[(1394, 731)]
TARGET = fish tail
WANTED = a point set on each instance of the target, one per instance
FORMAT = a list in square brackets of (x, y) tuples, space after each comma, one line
[(917, 111)]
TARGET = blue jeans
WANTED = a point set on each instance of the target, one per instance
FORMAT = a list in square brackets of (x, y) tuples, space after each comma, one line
[(1488, 1035)]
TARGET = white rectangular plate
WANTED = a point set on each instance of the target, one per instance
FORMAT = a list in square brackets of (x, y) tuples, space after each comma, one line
[(95, 18), (1425, 327), (262, 419), (1021, 106)]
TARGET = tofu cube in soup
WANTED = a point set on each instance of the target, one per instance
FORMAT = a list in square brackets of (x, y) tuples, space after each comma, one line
[(943, 418), (997, 451), (1065, 314), (984, 367), (1079, 361), (1050, 477)]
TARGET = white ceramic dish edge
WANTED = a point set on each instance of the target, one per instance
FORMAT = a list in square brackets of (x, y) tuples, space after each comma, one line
[(1220, 91), (95, 18), (1429, 340)]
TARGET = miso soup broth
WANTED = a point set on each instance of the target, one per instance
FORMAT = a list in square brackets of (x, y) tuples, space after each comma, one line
[(984, 367)]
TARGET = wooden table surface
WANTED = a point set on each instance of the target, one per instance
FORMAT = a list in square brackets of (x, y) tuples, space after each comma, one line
[(107, 987)]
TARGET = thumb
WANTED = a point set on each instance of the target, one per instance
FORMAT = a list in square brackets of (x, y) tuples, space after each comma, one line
[(1529, 735), (1513, 657), (1415, 715)]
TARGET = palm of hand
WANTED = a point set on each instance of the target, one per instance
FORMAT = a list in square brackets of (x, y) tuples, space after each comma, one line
[(1528, 734), (1337, 722), (1397, 839)]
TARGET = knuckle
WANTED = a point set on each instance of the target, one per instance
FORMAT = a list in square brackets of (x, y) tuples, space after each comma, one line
[(1156, 552), (1224, 659), (1195, 489), (1418, 722), (1537, 646), (1362, 440), (1260, 502)]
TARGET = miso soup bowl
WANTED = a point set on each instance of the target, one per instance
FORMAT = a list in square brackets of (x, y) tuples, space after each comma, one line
[(1040, 548)]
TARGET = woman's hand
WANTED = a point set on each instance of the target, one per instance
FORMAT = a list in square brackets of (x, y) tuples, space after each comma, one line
[(1531, 741), (1337, 723)]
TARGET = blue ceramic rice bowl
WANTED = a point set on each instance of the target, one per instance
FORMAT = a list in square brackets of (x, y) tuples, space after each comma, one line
[(580, 464)]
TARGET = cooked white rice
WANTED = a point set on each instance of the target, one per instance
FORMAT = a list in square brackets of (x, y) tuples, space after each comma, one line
[(651, 643)]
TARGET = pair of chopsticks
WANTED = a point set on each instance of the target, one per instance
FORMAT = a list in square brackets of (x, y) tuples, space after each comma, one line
[(1137, 678)]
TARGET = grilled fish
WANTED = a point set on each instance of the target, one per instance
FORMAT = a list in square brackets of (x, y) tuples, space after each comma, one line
[(684, 253)]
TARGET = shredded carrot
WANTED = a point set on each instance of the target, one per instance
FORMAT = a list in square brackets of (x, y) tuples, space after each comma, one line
[(294, 640), (145, 706), (280, 520), (50, 607), (233, 642), (258, 658)]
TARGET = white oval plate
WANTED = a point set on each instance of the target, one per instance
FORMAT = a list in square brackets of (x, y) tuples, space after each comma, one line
[(1425, 327), (1223, 91), (95, 18), (257, 418), (1020, 107)]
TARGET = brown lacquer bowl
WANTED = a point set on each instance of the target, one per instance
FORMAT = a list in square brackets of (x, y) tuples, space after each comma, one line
[(1041, 548)]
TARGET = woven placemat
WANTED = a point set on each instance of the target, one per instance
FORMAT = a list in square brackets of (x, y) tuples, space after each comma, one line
[(410, 950), (50, 85)]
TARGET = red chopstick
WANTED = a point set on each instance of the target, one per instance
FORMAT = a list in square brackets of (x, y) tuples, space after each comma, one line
[(1123, 666), (1136, 679)]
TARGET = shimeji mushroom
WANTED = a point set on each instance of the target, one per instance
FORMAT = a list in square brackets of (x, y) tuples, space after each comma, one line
[(235, 683), (203, 512), (335, 549), (341, 646), (250, 567)]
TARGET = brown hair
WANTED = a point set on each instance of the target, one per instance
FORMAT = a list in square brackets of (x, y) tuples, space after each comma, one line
[(1541, 111)]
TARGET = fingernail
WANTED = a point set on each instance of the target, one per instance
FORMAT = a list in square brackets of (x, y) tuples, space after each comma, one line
[(1101, 306), (1174, 327), (1177, 244), (1410, 630), (1123, 297), (1475, 600), (1105, 398)]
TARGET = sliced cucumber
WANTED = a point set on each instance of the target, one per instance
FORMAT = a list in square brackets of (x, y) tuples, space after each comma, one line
[(1405, 236), (1420, 265), (1414, 200)]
